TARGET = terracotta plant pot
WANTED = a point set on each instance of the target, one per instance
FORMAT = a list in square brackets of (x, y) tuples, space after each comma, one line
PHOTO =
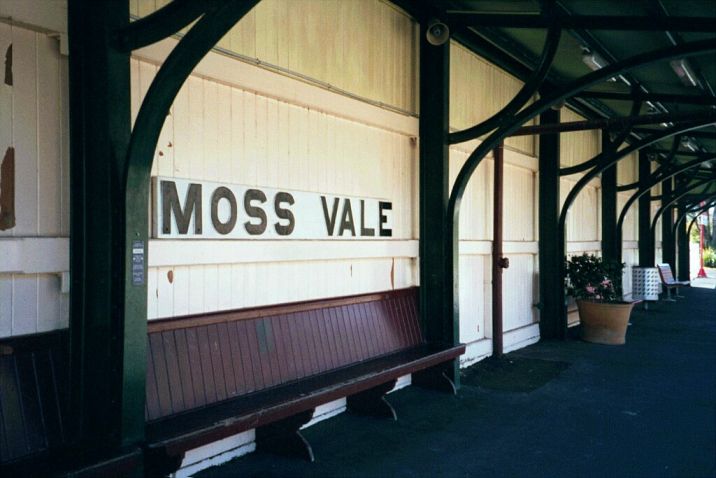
[(603, 322)]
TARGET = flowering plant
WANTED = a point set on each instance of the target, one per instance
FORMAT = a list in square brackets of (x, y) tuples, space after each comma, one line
[(591, 277)]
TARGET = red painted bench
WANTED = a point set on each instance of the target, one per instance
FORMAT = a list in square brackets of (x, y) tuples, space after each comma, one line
[(668, 281), (268, 368), (33, 396), (35, 423)]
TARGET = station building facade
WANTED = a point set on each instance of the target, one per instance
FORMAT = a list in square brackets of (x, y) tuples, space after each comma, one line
[(265, 111)]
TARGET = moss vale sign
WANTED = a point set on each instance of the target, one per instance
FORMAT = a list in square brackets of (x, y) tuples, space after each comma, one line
[(199, 209)]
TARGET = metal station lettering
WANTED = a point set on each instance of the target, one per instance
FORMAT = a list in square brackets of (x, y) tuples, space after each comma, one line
[(194, 210)]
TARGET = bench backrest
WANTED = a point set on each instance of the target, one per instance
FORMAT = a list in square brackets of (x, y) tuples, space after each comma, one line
[(196, 361), (667, 277), (33, 394)]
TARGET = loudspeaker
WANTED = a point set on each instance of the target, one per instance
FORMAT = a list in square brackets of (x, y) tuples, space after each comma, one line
[(437, 33)]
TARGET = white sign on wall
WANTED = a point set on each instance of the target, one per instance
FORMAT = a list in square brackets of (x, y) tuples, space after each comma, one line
[(186, 209)]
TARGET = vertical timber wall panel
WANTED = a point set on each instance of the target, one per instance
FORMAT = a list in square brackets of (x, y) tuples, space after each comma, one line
[(479, 90), (475, 265), (583, 226), (655, 206), (627, 173), (520, 247), (583, 218), (578, 146), (219, 132), (332, 41), (34, 121)]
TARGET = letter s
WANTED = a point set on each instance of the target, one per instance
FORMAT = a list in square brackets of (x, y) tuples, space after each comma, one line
[(284, 213)]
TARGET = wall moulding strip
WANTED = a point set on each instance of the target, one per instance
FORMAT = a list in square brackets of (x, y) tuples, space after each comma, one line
[(163, 253), (584, 246), (50, 18), (34, 255), (512, 156), (240, 74), (481, 248)]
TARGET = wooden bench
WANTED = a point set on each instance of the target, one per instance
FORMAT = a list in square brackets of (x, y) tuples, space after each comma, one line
[(668, 281), (268, 368), (34, 414), (33, 398)]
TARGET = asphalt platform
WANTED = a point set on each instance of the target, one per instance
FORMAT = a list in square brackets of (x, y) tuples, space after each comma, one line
[(554, 409)]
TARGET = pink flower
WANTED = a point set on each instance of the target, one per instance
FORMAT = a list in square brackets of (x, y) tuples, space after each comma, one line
[(606, 282), (590, 289)]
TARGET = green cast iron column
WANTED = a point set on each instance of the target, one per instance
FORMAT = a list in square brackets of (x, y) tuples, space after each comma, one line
[(682, 237), (436, 307), (668, 242), (610, 242), (551, 252), (107, 345), (646, 239)]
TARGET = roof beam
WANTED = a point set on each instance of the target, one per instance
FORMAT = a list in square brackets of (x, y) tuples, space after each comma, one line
[(608, 123), (678, 153), (588, 22), (668, 98), (692, 134)]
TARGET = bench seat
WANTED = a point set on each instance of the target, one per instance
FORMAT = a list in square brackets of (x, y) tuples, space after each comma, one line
[(180, 433), (268, 368), (669, 282)]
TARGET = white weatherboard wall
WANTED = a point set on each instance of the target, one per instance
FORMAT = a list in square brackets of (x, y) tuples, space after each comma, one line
[(627, 173), (238, 123), (478, 90), (34, 121), (218, 131), (519, 245)]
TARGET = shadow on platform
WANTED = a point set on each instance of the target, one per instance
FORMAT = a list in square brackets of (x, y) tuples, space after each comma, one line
[(554, 409)]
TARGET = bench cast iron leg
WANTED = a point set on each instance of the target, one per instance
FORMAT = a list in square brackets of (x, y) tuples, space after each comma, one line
[(284, 438), (372, 402), (435, 378), (157, 462)]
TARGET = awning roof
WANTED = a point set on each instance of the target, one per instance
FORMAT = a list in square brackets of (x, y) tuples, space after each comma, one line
[(511, 34)]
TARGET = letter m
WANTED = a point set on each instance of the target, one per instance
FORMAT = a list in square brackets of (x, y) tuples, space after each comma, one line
[(171, 205)]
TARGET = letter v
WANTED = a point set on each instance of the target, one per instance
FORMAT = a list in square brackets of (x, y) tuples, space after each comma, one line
[(330, 222)]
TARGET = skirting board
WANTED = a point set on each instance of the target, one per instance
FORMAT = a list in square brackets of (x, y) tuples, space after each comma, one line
[(512, 340)]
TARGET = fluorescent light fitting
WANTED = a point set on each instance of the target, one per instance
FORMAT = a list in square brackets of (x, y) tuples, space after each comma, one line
[(594, 61), (626, 82), (689, 143), (683, 70), (651, 107)]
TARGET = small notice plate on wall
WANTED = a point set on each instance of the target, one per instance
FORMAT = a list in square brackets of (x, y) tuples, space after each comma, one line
[(138, 262)]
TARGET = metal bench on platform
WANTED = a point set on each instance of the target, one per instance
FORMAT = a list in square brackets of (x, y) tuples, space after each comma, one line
[(268, 368), (668, 281)]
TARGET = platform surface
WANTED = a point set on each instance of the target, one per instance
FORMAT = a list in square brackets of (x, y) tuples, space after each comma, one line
[(644, 409)]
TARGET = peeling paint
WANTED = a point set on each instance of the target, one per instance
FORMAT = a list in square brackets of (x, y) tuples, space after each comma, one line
[(7, 190), (392, 274), (8, 65)]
